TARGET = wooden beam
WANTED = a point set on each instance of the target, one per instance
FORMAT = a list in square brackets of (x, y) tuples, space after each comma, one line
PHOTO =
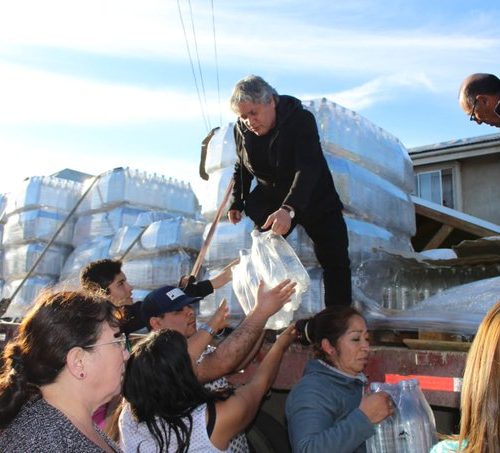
[(455, 219), (439, 237)]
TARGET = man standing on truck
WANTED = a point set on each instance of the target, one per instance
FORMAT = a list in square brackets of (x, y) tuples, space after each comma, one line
[(277, 143), (479, 97)]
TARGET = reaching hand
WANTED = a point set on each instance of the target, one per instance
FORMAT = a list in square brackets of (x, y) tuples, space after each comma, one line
[(377, 406), (270, 301), (225, 275), (219, 321), (286, 338), (234, 216), (279, 222)]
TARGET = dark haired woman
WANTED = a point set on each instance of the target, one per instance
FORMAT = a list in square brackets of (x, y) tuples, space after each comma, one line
[(169, 410), (326, 410), (67, 360)]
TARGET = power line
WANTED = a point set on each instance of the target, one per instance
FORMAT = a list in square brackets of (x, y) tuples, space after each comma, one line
[(216, 62), (198, 61), (207, 127)]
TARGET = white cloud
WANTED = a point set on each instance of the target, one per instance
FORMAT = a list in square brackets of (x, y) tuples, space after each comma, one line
[(269, 35), (380, 89), (35, 96)]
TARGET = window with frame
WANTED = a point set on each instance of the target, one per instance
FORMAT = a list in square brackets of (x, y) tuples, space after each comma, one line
[(436, 186)]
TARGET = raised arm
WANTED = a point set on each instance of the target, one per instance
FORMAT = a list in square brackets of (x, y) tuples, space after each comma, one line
[(253, 352), (224, 276), (236, 413), (236, 347), (198, 342)]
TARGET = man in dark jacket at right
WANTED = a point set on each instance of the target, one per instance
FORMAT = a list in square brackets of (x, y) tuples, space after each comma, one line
[(277, 143)]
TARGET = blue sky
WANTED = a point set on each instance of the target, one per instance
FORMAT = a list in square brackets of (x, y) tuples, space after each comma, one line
[(98, 84)]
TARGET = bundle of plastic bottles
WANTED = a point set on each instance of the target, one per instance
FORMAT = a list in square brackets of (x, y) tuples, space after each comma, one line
[(412, 428), (272, 260)]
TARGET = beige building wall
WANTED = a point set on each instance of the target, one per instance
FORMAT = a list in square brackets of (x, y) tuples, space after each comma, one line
[(480, 187), (475, 164)]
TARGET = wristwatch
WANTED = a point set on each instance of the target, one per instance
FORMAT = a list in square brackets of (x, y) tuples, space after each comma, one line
[(289, 209), (204, 326)]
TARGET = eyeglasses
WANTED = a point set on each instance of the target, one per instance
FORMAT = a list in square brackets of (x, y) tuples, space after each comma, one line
[(123, 341), (473, 112)]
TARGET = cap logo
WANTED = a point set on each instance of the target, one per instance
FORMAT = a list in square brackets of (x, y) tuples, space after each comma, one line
[(174, 293)]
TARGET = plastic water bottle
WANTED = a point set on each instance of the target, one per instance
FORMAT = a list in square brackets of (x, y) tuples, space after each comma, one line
[(383, 441), (428, 417), (410, 426)]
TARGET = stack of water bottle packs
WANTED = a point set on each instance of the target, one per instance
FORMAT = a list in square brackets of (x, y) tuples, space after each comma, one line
[(164, 251), (35, 211), (152, 221), (114, 220)]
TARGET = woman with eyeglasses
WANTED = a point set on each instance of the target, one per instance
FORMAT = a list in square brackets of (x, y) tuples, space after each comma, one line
[(168, 410), (67, 360)]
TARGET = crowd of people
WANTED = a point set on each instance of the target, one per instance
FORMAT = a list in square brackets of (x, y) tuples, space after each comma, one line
[(71, 381)]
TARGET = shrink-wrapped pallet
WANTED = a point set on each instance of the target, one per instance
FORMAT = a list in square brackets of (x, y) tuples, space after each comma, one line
[(37, 225)]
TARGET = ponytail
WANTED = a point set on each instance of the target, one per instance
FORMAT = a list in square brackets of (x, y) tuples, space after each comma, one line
[(15, 389)]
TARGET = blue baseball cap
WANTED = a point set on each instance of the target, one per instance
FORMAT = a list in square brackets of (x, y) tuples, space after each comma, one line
[(165, 300)]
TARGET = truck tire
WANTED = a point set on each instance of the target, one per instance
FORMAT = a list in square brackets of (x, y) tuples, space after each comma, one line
[(267, 435)]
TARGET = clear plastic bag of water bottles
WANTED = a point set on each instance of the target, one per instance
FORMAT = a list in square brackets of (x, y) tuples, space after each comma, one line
[(272, 260)]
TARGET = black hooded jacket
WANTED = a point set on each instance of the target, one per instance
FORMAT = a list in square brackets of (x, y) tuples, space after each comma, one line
[(297, 173)]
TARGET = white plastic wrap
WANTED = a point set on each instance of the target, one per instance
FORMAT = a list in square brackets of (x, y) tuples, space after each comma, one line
[(93, 250), (26, 296), (162, 236), (209, 304), (123, 239), (155, 271), (105, 223), (19, 259), (348, 135), (227, 241), (212, 191), (313, 300), (173, 234), (44, 192), (365, 237), (457, 310), (221, 152), (397, 282), (148, 217), (3, 206), (369, 197), (140, 189), (37, 225)]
